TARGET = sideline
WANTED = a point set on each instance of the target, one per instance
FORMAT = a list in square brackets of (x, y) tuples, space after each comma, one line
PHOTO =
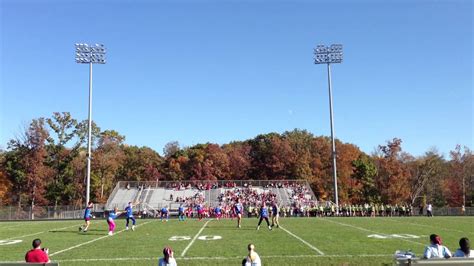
[(302, 240), (226, 258), (194, 239)]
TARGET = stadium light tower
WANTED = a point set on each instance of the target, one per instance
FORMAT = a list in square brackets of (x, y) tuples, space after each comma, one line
[(330, 55), (89, 54)]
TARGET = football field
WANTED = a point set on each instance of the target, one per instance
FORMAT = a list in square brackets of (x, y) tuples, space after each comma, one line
[(299, 241)]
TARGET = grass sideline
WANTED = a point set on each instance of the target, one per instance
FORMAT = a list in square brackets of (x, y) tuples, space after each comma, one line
[(300, 241)]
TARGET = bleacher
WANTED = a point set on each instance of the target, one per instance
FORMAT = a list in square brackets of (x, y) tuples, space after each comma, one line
[(155, 195)]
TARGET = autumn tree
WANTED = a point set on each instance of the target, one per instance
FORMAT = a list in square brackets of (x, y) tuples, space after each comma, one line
[(393, 181), (240, 162), (140, 164), (25, 164)]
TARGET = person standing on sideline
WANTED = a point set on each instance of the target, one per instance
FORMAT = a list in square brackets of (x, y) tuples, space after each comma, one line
[(129, 216), (429, 210), (252, 259), (263, 215), (436, 249), (168, 259), (275, 215), (37, 254), (87, 217), (464, 250)]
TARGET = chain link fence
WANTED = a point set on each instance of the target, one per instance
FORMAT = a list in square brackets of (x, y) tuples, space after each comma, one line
[(46, 212)]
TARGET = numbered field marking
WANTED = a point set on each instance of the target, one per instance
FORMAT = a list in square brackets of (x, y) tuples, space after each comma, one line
[(210, 237), (367, 230), (9, 242), (180, 238), (384, 236), (194, 239)]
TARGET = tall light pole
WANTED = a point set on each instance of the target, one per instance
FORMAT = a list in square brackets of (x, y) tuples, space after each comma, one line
[(89, 54), (330, 55)]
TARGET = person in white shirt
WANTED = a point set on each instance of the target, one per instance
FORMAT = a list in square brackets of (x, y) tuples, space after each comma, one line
[(465, 249), (429, 210), (436, 249), (252, 259), (168, 259)]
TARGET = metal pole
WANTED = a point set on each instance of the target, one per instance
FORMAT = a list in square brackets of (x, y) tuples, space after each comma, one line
[(89, 139), (334, 168)]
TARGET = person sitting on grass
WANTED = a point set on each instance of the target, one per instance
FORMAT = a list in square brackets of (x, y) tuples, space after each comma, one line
[(37, 254), (436, 249), (168, 259), (465, 249)]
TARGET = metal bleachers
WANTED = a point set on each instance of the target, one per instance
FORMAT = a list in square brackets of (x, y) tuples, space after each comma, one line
[(155, 195)]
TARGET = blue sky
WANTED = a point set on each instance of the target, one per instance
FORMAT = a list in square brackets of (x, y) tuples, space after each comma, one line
[(217, 71)]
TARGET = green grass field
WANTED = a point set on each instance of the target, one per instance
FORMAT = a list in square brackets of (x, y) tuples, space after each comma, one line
[(300, 241)]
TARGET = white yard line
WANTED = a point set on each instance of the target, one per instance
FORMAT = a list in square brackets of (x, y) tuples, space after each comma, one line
[(194, 239), (303, 241), (224, 258), (33, 234), (368, 230), (91, 241)]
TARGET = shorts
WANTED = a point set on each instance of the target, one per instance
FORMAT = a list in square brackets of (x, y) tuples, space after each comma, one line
[(87, 219)]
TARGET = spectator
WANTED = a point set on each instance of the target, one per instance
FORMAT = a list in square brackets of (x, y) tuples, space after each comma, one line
[(168, 259), (436, 249), (465, 249), (252, 259), (429, 210), (37, 254)]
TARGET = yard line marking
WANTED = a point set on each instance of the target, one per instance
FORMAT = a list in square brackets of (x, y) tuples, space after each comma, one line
[(425, 225), (194, 239), (91, 241), (368, 230), (224, 258), (33, 234), (302, 240)]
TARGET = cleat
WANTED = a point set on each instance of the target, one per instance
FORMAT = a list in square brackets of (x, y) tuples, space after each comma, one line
[(258, 228), (133, 227), (80, 229), (111, 233), (269, 228)]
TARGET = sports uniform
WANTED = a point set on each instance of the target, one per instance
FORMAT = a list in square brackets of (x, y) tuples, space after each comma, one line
[(181, 213), (164, 214), (263, 215), (129, 216)]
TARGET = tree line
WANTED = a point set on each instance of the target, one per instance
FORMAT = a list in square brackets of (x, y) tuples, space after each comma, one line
[(46, 165)]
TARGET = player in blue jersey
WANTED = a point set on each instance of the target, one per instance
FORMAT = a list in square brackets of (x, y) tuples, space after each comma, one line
[(87, 217), (164, 213), (263, 215), (129, 216), (111, 220), (275, 215), (181, 214), (218, 212), (238, 210), (200, 211)]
